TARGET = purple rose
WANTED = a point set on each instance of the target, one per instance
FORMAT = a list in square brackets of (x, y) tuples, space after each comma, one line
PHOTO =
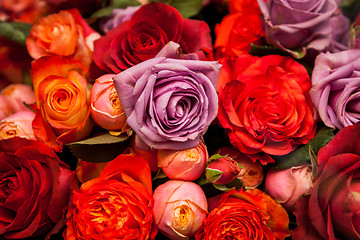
[(335, 90), (118, 16), (169, 103), (296, 26)]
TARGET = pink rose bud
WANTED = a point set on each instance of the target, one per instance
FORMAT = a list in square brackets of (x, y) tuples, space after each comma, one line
[(106, 109), (286, 186), (186, 164), (222, 170), (18, 124), (251, 173), (5, 109), (17, 95), (180, 208)]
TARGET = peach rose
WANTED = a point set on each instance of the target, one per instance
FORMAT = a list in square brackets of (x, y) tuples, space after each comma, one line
[(18, 125)]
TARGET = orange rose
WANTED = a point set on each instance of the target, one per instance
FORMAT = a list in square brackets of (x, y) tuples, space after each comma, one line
[(61, 99), (116, 205), (264, 104), (236, 32), (250, 214), (62, 34)]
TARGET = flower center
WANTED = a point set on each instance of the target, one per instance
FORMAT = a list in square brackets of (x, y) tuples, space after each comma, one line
[(182, 216)]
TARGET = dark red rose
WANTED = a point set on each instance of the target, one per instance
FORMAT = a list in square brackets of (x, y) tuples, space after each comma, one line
[(146, 33), (34, 189), (332, 210)]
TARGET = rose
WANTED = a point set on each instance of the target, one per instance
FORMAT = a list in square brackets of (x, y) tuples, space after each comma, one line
[(355, 33), (149, 155), (335, 92), (35, 189), (251, 172), (61, 99), (179, 208), (238, 30), (169, 103), (18, 125), (222, 170), (118, 16), (288, 185), (116, 205), (28, 11), (264, 104), (146, 33), (187, 164), (62, 34), (297, 27), (18, 95), (106, 109), (5, 109), (250, 214), (331, 211)]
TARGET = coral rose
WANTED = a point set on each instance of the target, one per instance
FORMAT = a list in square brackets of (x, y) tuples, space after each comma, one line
[(146, 33), (116, 205), (34, 187), (18, 96), (61, 99), (62, 34), (250, 214), (264, 104), (331, 211)]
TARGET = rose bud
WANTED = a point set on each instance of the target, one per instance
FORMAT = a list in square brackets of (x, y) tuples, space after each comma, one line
[(186, 164), (18, 124), (286, 186), (222, 170), (5, 109), (106, 109), (17, 94), (180, 208), (251, 172)]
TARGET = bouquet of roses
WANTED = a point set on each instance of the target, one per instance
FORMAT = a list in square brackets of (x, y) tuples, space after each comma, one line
[(183, 119)]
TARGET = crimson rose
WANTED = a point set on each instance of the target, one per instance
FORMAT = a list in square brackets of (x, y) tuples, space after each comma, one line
[(146, 33), (332, 210), (34, 188)]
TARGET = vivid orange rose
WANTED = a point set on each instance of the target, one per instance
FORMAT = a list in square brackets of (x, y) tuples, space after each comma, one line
[(62, 34), (250, 214), (237, 31), (61, 99), (264, 104), (116, 205)]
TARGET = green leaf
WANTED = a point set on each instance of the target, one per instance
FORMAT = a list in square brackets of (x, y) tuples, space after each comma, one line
[(101, 148), (187, 8), (15, 31), (235, 184), (215, 156), (103, 12), (301, 155)]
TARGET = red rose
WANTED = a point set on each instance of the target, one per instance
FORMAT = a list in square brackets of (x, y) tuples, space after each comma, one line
[(146, 33), (332, 210), (250, 214), (116, 205), (264, 104), (34, 188)]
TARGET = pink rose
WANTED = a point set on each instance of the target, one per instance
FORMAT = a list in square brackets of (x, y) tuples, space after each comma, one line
[(288, 185), (180, 208), (17, 95), (186, 164), (18, 125), (106, 109)]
